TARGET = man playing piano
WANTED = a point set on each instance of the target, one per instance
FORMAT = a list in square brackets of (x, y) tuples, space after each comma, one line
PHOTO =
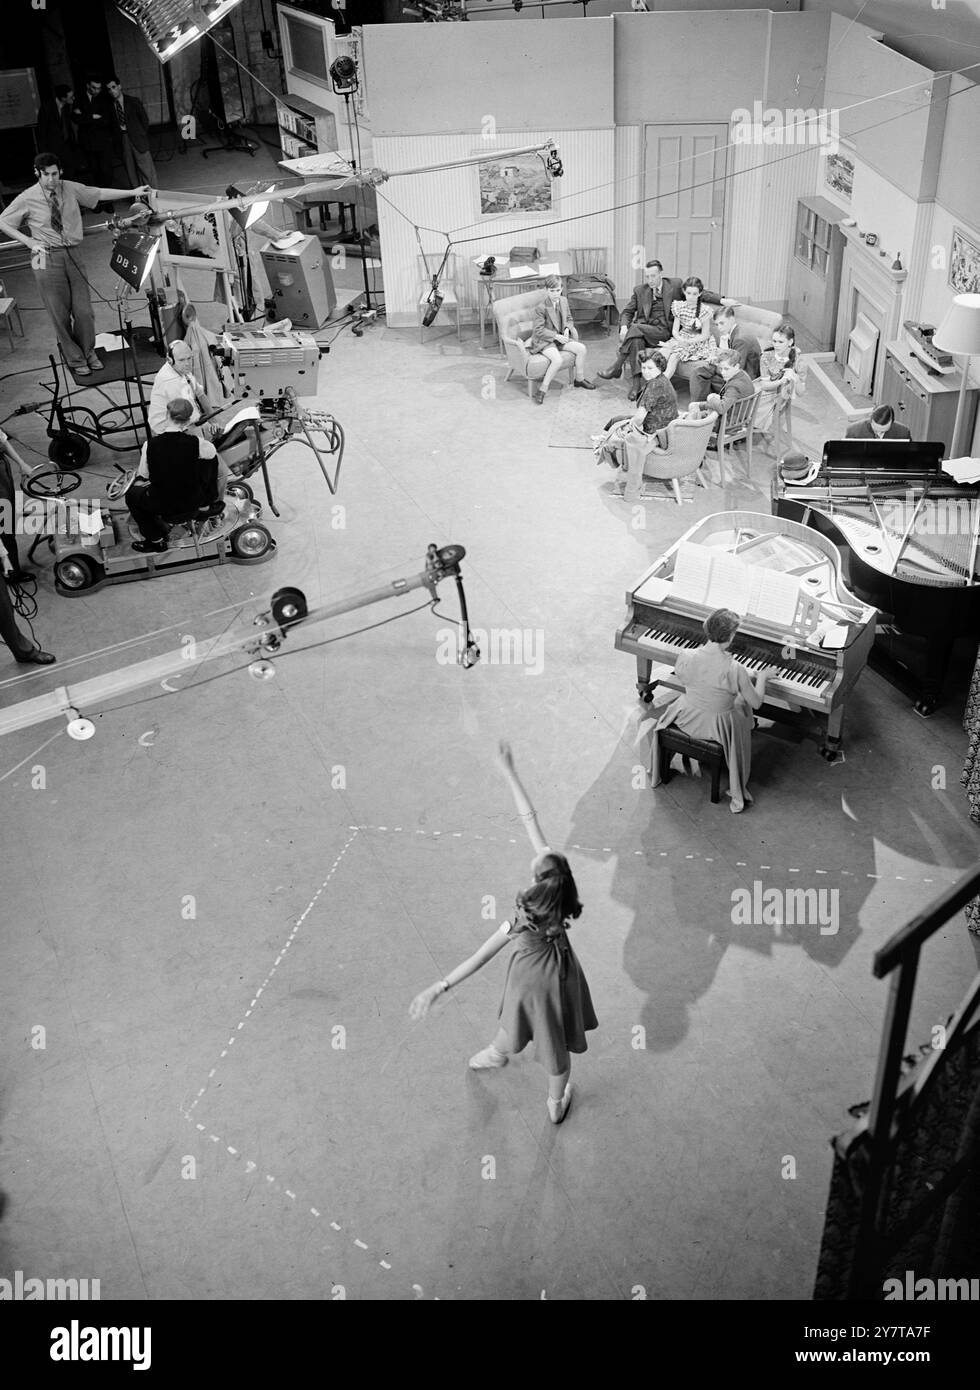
[(880, 425)]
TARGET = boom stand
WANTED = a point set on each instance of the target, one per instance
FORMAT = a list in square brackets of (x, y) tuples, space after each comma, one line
[(355, 223)]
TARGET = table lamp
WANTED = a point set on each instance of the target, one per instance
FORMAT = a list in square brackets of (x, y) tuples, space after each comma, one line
[(959, 333)]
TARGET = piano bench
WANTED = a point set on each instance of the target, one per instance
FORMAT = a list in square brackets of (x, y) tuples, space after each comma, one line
[(708, 753)]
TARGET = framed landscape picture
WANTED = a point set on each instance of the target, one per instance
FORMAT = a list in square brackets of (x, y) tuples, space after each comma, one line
[(516, 186), (839, 174), (964, 264)]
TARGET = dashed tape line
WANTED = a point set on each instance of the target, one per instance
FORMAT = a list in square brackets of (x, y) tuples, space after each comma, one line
[(636, 853), (275, 966), (251, 1167)]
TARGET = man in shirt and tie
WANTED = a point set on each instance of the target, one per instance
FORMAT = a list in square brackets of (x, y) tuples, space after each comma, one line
[(53, 210), (131, 133)]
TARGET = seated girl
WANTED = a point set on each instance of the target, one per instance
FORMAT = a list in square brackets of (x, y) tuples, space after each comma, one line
[(779, 377), (691, 340), (655, 408), (717, 704)]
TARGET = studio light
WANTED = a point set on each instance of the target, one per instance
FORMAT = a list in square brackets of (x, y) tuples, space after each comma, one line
[(247, 217), (133, 254), (170, 25), (343, 75)]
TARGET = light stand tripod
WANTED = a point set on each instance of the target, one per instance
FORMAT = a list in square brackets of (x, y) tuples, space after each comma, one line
[(343, 75)]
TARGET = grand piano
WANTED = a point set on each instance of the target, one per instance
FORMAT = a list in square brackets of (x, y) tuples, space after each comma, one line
[(909, 540), (798, 616)]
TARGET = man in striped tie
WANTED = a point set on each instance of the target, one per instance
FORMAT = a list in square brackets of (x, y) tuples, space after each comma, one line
[(53, 210)]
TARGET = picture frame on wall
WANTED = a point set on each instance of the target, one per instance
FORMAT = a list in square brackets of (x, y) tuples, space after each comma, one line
[(517, 186), (964, 263), (839, 173)]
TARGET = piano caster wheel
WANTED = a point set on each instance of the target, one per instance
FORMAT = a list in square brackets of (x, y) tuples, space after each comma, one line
[(832, 754), (925, 707)]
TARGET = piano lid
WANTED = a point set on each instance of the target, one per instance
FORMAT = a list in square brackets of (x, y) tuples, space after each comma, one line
[(884, 455)]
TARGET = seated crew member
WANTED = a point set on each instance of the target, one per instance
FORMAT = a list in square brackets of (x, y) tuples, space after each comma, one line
[(53, 209), (176, 381), (718, 700), (706, 377), (880, 425), (177, 474), (553, 332)]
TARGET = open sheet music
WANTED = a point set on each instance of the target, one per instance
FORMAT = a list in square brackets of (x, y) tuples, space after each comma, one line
[(717, 579)]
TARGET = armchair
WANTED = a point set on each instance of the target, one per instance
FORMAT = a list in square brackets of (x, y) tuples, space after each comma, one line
[(687, 443), (514, 317)]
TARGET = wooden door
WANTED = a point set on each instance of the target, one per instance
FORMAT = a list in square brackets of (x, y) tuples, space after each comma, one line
[(684, 199)]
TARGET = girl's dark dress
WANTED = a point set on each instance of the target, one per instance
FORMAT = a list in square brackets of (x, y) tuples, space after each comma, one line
[(546, 996)]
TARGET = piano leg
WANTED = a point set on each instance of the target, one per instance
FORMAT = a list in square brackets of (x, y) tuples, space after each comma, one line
[(644, 686), (832, 747)]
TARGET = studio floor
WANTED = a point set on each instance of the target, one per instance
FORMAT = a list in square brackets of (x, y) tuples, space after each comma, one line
[(219, 908)]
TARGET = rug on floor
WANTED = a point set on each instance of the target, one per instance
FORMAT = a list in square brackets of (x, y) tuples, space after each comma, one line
[(581, 414)]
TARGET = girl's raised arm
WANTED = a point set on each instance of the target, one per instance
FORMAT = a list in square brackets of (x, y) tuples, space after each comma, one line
[(527, 813)]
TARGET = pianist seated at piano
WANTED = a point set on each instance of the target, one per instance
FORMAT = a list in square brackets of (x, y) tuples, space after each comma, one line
[(880, 425), (717, 704)]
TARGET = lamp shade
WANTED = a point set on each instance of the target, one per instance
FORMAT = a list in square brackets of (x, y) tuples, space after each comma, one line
[(133, 254), (960, 329)]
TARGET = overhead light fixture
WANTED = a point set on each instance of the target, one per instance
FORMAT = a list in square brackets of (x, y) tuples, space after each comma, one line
[(133, 254), (170, 25), (343, 75)]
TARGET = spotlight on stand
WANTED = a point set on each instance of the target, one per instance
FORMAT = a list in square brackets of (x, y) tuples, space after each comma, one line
[(133, 254), (343, 75), (170, 25)]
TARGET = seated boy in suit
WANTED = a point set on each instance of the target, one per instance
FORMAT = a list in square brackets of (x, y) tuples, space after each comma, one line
[(552, 332), (736, 385)]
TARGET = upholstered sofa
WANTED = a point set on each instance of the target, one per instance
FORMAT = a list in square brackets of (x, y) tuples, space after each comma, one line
[(514, 316)]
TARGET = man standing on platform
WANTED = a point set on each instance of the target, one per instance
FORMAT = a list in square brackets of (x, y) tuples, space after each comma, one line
[(131, 133), (647, 321), (53, 210)]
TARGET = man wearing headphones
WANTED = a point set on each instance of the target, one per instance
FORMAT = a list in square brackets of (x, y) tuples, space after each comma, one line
[(53, 210), (176, 381)]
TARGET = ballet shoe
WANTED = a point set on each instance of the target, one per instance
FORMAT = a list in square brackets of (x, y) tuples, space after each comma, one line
[(487, 1059), (558, 1109)]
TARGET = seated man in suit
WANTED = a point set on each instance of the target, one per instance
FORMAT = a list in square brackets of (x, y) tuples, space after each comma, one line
[(706, 377), (177, 474), (736, 384), (553, 332), (880, 425), (647, 321)]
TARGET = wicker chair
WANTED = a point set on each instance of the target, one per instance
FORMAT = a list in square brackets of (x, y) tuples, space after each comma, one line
[(687, 443), (514, 318)]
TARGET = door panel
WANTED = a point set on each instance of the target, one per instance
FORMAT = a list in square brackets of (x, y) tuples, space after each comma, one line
[(684, 193)]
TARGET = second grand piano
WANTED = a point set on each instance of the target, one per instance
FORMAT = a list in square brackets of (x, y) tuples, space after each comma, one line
[(797, 616)]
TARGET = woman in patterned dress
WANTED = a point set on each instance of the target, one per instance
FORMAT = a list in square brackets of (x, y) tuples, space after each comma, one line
[(692, 340), (546, 997), (655, 408)]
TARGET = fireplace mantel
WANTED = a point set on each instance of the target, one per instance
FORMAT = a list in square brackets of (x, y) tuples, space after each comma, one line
[(867, 276)]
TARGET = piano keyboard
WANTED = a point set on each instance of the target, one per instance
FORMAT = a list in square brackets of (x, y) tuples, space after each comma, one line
[(795, 679)]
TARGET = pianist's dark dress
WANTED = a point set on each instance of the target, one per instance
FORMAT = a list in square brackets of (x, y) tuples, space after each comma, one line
[(715, 705)]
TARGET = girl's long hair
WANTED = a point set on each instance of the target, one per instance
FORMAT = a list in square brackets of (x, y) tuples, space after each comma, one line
[(553, 897), (694, 280)]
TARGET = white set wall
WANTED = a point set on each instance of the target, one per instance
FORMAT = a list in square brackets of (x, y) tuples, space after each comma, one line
[(448, 202)]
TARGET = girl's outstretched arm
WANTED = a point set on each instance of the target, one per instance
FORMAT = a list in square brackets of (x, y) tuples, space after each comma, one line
[(419, 1006), (505, 761)]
